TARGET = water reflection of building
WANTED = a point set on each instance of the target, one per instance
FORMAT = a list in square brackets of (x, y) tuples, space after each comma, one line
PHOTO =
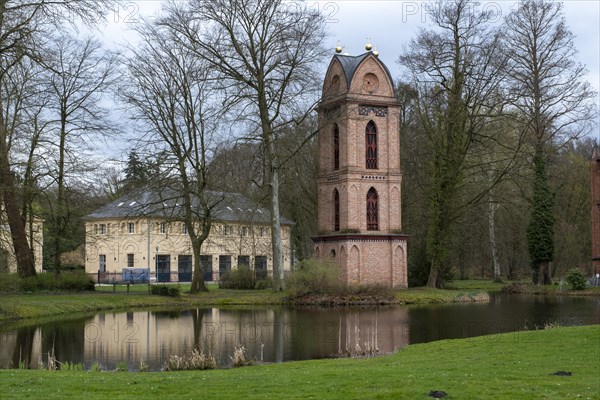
[(269, 335)]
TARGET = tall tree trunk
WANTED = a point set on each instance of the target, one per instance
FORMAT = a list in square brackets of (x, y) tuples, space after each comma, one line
[(59, 213), (23, 253), (436, 276), (276, 236), (197, 279), (546, 279), (492, 206)]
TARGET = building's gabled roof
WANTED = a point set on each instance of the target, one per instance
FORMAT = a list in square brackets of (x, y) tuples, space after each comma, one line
[(167, 203), (350, 65)]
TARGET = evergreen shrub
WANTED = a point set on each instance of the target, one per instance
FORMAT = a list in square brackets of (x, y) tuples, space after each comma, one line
[(164, 290), (576, 279)]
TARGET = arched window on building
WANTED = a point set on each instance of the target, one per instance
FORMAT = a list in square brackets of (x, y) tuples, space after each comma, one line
[(372, 210), (336, 210), (336, 147), (371, 145)]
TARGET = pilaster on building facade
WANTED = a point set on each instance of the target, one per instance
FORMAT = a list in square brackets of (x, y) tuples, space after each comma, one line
[(359, 176), (595, 211)]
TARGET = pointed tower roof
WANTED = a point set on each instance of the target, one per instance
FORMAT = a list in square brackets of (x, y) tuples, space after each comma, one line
[(350, 65)]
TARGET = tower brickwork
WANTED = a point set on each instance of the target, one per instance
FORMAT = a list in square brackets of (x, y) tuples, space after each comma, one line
[(359, 176)]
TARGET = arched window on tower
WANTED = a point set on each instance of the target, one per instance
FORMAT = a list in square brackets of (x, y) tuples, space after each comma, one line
[(336, 210), (336, 147), (372, 210), (371, 145)]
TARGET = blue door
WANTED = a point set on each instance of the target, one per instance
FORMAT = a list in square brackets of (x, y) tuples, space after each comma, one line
[(206, 265), (184, 268), (163, 268), (224, 265), (260, 267)]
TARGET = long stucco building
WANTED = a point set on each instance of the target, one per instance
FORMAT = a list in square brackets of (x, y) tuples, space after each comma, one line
[(145, 230)]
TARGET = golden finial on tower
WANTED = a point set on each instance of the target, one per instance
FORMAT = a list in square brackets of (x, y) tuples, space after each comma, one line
[(375, 52), (338, 47), (368, 46)]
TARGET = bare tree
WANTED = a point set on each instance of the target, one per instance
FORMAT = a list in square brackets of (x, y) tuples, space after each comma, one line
[(265, 53), (80, 72), (552, 102), (169, 94), (23, 29), (20, 112), (456, 73)]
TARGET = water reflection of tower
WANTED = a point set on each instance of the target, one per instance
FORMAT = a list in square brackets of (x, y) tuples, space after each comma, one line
[(371, 332)]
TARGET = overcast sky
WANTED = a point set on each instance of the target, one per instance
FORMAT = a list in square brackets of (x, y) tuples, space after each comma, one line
[(391, 24)]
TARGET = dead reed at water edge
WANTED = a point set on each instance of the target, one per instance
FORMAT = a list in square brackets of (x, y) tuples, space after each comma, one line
[(196, 360)]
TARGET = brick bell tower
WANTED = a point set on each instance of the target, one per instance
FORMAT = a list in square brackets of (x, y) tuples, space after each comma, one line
[(359, 178)]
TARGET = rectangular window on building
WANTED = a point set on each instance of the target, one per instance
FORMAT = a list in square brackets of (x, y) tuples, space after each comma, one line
[(162, 227), (102, 263), (183, 228), (263, 231), (102, 229), (244, 231), (206, 265), (163, 267), (224, 265), (130, 260), (184, 268), (244, 260), (228, 230), (260, 267), (130, 227)]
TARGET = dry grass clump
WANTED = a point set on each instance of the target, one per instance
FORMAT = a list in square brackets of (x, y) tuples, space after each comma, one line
[(481, 297), (240, 358), (196, 360)]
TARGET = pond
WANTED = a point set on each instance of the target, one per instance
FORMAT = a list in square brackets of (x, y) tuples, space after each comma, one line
[(279, 334)]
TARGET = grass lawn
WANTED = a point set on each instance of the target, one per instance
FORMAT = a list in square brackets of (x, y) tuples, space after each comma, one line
[(508, 366), (35, 305)]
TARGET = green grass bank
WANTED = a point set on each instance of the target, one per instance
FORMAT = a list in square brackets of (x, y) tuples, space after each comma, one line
[(43, 305), (48, 305), (508, 366)]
